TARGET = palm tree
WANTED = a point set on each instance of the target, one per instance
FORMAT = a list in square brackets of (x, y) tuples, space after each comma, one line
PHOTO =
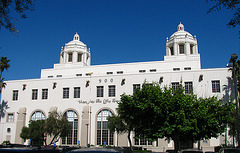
[(4, 65)]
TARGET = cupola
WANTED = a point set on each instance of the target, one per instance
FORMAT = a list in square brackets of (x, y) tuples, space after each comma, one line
[(75, 52), (181, 43)]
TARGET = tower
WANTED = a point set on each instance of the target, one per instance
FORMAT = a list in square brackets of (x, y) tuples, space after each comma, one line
[(181, 43), (75, 52)]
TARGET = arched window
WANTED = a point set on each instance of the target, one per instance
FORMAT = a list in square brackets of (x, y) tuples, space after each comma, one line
[(38, 115), (104, 136), (72, 137)]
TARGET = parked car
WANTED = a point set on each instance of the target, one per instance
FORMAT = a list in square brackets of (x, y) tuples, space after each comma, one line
[(193, 150), (229, 150), (28, 150), (96, 150)]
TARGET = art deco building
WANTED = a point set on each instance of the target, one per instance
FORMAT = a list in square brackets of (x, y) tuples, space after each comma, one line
[(88, 94)]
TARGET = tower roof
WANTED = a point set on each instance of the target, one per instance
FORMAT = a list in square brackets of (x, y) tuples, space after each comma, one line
[(76, 41), (181, 32)]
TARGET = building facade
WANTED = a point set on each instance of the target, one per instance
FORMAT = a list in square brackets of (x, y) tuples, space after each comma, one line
[(87, 94)]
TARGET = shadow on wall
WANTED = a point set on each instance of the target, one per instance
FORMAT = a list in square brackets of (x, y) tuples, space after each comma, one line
[(229, 90), (3, 107)]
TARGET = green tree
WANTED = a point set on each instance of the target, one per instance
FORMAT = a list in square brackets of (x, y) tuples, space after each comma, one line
[(233, 123), (35, 131), (4, 65), (55, 126), (116, 123), (157, 113), (9, 9)]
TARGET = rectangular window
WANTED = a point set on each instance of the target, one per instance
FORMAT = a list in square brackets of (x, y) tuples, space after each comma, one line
[(188, 87), (181, 49), (111, 91), (99, 91), (79, 57), (153, 70), (142, 71), (216, 86), (187, 68), (76, 92), (175, 85), (176, 69), (109, 72), (70, 57), (142, 141), (65, 93), (10, 117), (15, 95), (34, 94), (135, 87), (44, 93), (119, 72)]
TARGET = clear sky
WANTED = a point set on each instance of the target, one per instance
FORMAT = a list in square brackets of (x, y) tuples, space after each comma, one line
[(117, 31)]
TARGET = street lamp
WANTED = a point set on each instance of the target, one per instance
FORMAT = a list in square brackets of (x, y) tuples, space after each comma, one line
[(87, 135), (233, 61)]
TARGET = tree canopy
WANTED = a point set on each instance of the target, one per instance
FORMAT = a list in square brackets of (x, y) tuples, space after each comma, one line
[(167, 113), (228, 4), (9, 9), (116, 123), (4, 65), (56, 126)]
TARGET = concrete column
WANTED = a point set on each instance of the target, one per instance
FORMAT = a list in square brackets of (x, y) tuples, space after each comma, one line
[(85, 129), (187, 48), (195, 49), (65, 57), (175, 48), (168, 51), (75, 56), (21, 122), (61, 58)]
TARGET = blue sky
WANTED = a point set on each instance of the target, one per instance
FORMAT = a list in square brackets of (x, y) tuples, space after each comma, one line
[(117, 31)]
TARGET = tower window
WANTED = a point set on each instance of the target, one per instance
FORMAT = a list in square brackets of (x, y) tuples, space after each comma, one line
[(79, 57), (181, 49), (191, 49), (171, 49), (70, 57)]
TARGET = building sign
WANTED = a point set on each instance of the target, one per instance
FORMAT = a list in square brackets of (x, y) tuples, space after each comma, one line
[(98, 101)]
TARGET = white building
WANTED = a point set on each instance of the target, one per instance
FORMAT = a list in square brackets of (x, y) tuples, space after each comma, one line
[(88, 94)]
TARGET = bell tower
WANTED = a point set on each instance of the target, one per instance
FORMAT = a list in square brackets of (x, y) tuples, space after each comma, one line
[(182, 47), (75, 52), (181, 43)]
